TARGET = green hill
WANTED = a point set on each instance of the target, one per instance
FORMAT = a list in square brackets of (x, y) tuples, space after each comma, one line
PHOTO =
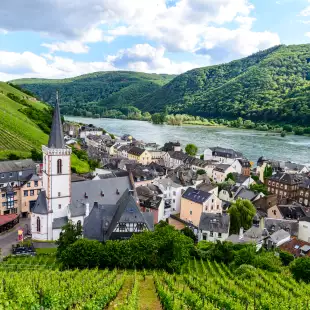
[(19, 132), (93, 92), (270, 85)]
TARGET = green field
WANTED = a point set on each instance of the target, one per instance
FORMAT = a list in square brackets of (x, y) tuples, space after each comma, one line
[(202, 285), (18, 134)]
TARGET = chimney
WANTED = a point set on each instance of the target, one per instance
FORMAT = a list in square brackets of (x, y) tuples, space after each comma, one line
[(117, 191), (85, 195), (86, 209), (241, 233)]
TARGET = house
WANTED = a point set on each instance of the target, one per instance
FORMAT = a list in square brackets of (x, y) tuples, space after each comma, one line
[(292, 211), (172, 193), (263, 204), (221, 171), (117, 222), (273, 225), (303, 193), (246, 166), (284, 184), (288, 167), (142, 175), (174, 159), (222, 155), (171, 147), (71, 129), (296, 247), (244, 193), (194, 202), (122, 150), (213, 227), (304, 229), (243, 180), (157, 156), (151, 201), (89, 130), (142, 156), (278, 238)]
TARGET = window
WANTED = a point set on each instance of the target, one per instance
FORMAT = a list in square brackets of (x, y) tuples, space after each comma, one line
[(25, 193), (11, 174), (275, 212), (277, 184), (36, 183), (300, 200), (59, 166), (269, 182), (58, 194), (211, 233), (2, 175), (38, 191), (28, 184), (173, 200), (79, 224), (20, 173), (38, 224), (32, 192), (204, 237), (3, 195), (190, 212), (59, 206), (285, 186), (220, 235), (174, 193)]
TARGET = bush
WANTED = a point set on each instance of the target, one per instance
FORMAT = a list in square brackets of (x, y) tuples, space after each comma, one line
[(267, 261), (286, 258), (246, 272), (300, 269)]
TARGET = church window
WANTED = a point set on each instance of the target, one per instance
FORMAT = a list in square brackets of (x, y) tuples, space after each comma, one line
[(38, 224), (59, 206), (58, 194), (59, 166)]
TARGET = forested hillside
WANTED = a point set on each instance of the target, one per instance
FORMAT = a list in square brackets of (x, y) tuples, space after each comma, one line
[(97, 91), (272, 85)]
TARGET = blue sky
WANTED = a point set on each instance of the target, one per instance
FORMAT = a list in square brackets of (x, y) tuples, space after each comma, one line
[(64, 38)]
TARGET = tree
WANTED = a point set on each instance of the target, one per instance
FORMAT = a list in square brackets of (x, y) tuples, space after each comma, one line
[(260, 188), (35, 155), (300, 269), (13, 156), (288, 128), (69, 234), (230, 176), (191, 149), (286, 257), (267, 171), (201, 172), (189, 233), (241, 215), (283, 134)]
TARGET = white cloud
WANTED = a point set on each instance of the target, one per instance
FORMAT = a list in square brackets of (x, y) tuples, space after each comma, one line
[(307, 34), (75, 47), (305, 12), (141, 57)]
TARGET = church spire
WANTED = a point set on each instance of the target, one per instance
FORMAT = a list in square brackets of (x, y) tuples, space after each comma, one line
[(56, 139)]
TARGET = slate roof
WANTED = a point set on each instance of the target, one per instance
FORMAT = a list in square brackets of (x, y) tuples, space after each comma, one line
[(56, 138), (244, 162), (95, 188), (77, 210), (245, 193), (40, 206), (279, 235), (293, 211), (196, 195), (16, 165), (178, 155), (167, 182), (206, 187), (214, 222), (103, 219), (273, 225), (221, 167), (136, 151), (59, 222), (240, 178), (224, 152), (305, 184), (287, 178)]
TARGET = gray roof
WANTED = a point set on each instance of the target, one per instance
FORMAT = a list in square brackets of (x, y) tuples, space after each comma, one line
[(223, 152), (245, 193), (206, 187), (221, 167), (273, 225), (60, 222), (196, 195), (56, 138), (77, 210), (287, 178), (101, 191), (16, 165), (103, 219), (40, 206), (279, 235), (214, 222)]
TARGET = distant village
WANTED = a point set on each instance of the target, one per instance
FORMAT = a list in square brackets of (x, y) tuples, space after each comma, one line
[(163, 183)]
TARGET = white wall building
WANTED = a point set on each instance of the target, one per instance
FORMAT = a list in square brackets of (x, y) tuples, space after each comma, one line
[(222, 155), (221, 171), (304, 229)]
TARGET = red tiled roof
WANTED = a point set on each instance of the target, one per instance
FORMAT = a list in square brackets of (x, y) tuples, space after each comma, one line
[(293, 246), (4, 219)]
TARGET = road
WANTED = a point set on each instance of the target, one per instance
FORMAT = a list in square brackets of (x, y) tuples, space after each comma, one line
[(10, 238)]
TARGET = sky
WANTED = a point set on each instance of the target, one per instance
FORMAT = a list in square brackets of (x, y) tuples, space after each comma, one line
[(66, 38)]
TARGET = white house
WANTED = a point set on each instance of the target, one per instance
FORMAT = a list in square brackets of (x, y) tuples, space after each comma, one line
[(222, 155), (243, 180), (304, 229), (89, 130), (213, 227), (174, 159), (221, 171)]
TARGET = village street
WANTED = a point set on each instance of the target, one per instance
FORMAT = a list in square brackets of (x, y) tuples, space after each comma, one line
[(9, 238)]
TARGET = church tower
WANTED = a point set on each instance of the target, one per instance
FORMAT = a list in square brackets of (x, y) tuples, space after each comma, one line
[(57, 169)]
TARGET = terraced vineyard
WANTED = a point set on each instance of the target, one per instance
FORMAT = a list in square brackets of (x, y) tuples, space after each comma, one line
[(201, 285), (18, 134)]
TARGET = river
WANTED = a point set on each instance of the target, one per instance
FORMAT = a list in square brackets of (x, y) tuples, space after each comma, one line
[(251, 143)]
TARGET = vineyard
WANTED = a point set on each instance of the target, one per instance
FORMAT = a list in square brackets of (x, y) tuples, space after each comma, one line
[(201, 285)]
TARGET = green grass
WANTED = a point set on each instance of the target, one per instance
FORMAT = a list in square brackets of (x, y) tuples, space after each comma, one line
[(46, 251)]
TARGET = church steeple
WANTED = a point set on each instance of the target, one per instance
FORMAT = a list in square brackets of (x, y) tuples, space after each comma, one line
[(56, 139)]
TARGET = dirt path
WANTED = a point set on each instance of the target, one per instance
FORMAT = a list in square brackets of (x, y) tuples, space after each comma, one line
[(148, 298), (122, 294)]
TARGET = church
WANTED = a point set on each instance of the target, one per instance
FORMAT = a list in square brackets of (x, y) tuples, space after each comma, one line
[(106, 209)]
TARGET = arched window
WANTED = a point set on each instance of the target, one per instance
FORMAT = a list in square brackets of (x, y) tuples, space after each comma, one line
[(59, 166), (38, 224)]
